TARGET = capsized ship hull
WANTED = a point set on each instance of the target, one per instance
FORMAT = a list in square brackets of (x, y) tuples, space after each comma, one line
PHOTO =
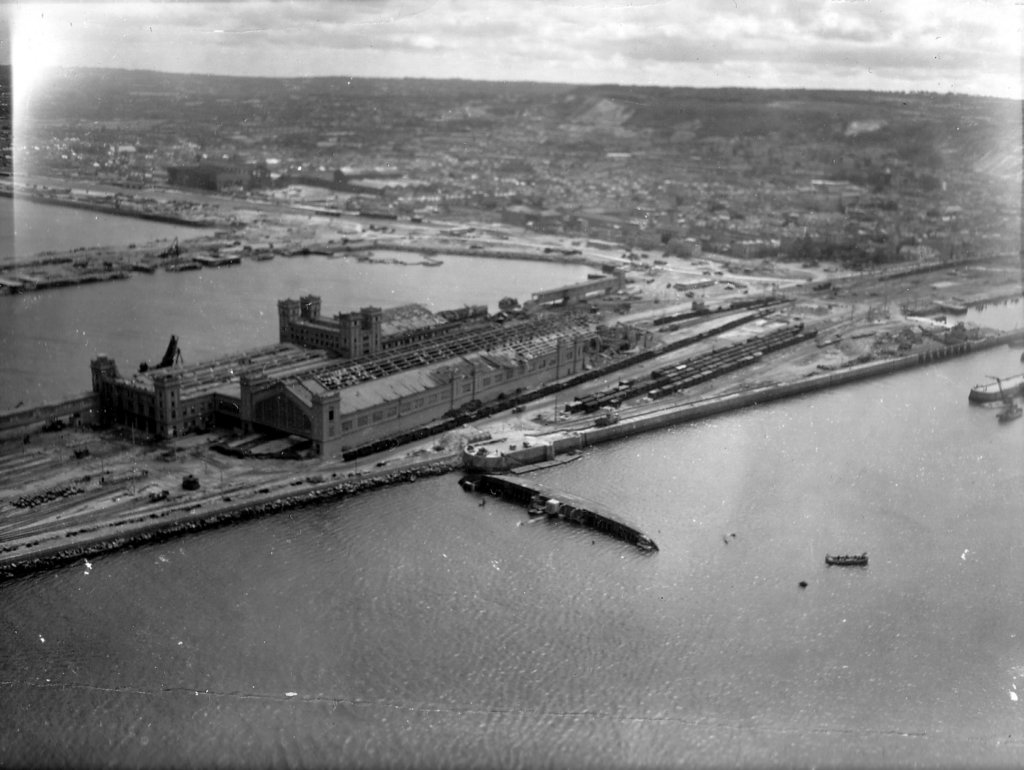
[(1012, 386)]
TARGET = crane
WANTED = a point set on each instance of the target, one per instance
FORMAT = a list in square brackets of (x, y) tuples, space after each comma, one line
[(171, 357)]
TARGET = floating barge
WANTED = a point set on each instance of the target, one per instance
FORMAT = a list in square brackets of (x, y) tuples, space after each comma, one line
[(212, 260), (179, 267), (539, 498), (854, 560)]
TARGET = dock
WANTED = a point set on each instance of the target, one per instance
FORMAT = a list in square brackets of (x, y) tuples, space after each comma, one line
[(541, 498), (545, 464), (214, 260)]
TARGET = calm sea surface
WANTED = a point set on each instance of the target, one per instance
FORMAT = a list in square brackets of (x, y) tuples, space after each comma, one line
[(413, 627), (47, 338), (27, 228)]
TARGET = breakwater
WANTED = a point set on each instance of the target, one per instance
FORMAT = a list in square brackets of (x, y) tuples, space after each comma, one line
[(174, 522), (486, 410), (756, 396), (932, 267), (157, 526), (670, 379), (441, 250), (21, 282), (638, 423), (542, 499), (108, 208)]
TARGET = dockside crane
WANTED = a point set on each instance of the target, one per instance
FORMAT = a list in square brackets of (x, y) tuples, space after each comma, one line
[(171, 251), (171, 357)]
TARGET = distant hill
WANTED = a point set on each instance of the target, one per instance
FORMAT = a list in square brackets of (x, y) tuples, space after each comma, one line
[(917, 124), (933, 130)]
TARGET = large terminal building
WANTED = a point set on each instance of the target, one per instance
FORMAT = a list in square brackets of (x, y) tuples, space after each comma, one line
[(352, 379)]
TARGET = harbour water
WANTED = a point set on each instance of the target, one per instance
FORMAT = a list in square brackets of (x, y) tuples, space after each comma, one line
[(413, 626), (30, 228), (49, 337), (1004, 314)]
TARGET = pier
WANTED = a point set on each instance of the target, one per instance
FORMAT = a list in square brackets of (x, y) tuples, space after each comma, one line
[(542, 499)]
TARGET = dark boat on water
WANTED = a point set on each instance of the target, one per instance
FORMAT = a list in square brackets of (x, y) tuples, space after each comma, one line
[(1011, 411), (855, 560)]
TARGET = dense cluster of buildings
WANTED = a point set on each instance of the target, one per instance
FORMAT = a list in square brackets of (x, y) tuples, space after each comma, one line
[(218, 176), (848, 177), (6, 134), (369, 331), (351, 379)]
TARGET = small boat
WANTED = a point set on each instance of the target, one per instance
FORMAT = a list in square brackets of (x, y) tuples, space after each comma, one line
[(536, 506), (855, 560), (1011, 411)]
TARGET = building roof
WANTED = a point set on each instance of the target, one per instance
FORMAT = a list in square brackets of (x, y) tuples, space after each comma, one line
[(413, 382), (406, 318), (494, 347), (377, 392), (221, 375)]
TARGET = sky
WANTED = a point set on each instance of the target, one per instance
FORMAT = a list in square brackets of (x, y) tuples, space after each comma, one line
[(964, 46)]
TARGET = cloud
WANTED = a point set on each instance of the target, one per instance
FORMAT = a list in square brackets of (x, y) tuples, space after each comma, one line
[(966, 44)]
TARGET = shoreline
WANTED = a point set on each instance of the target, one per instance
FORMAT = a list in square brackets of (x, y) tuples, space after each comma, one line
[(102, 208), (110, 536), (53, 269), (647, 418), (101, 538), (95, 526), (431, 250)]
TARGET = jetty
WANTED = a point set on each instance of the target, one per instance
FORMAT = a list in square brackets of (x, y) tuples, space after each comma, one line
[(545, 464), (539, 498)]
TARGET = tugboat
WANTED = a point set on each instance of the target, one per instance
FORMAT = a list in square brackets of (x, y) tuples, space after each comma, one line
[(1011, 410), (855, 560)]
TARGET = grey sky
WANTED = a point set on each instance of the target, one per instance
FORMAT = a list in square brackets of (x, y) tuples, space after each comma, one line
[(969, 46)]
